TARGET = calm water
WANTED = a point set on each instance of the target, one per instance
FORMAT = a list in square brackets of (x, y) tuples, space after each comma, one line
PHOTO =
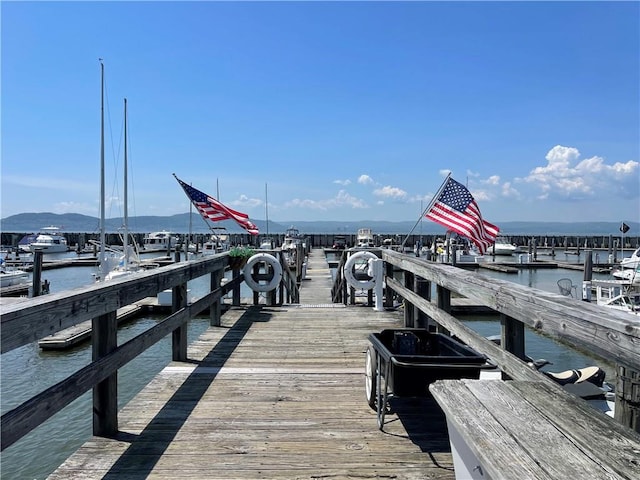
[(28, 370)]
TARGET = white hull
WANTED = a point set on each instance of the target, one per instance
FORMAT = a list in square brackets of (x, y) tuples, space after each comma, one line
[(13, 277), (159, 242), (49, 241), (48, 248), (503, 249)]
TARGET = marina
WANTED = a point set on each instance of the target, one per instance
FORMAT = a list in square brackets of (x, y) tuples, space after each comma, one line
[(297, 385)]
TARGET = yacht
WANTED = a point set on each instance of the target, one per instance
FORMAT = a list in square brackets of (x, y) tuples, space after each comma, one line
[(49, 240), (159, 241), (364, 238)]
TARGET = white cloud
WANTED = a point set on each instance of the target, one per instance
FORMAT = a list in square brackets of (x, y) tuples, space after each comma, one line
[(244, 201), (481, 195), (493, 180), (388, 191), (508, 191), (344, 183), (365, 180), (562, 177), (342, 199), (74, 207)]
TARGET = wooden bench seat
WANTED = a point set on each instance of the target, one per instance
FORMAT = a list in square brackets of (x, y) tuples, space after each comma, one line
[(529, 430)]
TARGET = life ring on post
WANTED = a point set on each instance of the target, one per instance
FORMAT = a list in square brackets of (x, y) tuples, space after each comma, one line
[(271, 261), (348, 270)]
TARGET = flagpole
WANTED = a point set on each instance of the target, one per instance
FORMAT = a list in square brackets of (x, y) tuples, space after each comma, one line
[(431, 204)]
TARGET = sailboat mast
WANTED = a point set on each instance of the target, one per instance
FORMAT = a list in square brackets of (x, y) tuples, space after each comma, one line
[(125, 244), (102, 189), (266, 208)]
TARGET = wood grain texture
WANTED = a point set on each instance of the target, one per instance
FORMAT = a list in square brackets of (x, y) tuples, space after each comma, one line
[(273, 393)]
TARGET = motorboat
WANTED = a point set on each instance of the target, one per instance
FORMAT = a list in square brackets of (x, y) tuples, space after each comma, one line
[(292, 237), (218, 242), (364, 238), (631, 275), (159, 241), (502, 246), (49, 240), (10, 276), (267, 243), (631, 262), (24, 245), (617, 294)]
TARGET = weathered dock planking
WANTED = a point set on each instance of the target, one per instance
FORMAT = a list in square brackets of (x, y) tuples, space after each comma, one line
[(274, 393)]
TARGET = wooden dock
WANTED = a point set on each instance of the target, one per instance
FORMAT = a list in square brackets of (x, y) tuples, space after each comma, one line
[(276, 390), (273, 393)]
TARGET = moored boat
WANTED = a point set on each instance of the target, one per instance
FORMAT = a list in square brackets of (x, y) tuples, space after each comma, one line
[(24, 245), (364, 238), (502, 246), (159, 241), (618, 294), (10, 276), (631, 262), (49, 240)]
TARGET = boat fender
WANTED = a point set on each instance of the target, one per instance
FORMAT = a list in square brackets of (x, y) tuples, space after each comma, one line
[(348, 271), (269, 260)]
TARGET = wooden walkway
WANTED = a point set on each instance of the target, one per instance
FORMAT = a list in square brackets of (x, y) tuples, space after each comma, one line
[(274, 393)]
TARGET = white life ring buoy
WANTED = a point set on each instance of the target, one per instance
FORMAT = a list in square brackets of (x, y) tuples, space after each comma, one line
[(348, 271), (271, 261)]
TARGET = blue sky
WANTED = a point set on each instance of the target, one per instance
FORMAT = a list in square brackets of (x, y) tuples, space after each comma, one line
[(341, 111)]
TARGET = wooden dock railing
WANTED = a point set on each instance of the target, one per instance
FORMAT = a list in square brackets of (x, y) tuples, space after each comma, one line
[(30, 320), (609, 334)]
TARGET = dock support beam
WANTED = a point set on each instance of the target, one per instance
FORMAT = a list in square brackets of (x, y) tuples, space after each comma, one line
[(179, 336), (627, 410), (104, 339)]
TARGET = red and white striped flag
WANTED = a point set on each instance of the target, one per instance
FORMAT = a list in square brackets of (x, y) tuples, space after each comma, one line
[(456, 209), (213, 210)]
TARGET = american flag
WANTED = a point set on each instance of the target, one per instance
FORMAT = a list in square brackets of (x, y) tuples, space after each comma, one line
[(456, 209), (213, 210)]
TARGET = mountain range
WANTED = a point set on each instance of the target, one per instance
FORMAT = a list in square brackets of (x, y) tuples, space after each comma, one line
[(180, 223)]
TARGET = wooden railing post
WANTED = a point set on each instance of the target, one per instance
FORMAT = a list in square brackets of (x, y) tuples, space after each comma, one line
[(409, 311), (512, 336), (444, 304), (179, 335), (423, 288), (627, 410), (37, 273), (104, 339), (388, 294), (236, 290), (215, 311)]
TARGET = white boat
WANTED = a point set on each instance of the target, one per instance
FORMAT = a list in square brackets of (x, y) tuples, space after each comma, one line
[(267, 243), (631, 262), (364, 238), (10, 276), (24, 245), (502, 246), (159, 241), (617, 294), (631, 275), (292, 237), (49, 240), (218, 242)]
